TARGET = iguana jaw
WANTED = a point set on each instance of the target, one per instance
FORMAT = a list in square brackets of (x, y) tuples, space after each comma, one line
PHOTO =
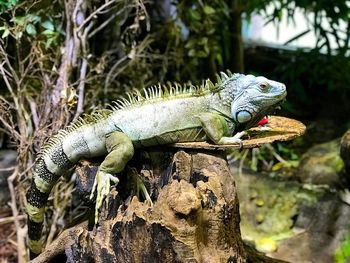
[(254, 102), (256, 118)]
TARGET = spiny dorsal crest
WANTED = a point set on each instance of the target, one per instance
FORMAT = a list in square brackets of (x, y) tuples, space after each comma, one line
[(85, 119), (159, 92), (154, 93), (172, 91), (224, 78)]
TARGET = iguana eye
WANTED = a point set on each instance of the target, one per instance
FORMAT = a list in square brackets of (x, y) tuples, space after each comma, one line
[(264, 86)]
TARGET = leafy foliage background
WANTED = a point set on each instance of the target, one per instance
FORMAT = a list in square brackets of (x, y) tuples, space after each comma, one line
[(120, 45)]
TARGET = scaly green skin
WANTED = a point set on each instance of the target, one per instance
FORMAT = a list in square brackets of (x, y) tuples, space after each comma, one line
[(161, 115)]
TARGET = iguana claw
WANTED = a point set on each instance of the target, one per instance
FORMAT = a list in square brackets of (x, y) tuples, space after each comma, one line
[(102, 186), (234, 139), (141, 187)]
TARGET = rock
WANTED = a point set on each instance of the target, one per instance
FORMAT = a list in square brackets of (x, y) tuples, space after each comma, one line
[(267, 207), (321, 131), (323, 225), (308, 224), (296, 249), (321, 164)]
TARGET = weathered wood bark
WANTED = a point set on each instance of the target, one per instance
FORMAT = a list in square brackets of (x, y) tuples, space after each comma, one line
[(194, 217)]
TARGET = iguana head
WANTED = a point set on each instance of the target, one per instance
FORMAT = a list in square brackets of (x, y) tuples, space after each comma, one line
[(254, 98)]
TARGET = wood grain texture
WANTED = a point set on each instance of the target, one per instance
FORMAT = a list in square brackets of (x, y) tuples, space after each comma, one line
[(279, 129)]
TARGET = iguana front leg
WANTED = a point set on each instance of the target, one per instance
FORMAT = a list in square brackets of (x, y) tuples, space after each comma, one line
[(120, 150), (216, 128), (234, 139)]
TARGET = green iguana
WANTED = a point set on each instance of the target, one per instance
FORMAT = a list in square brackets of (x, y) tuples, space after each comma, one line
[(160, 115)]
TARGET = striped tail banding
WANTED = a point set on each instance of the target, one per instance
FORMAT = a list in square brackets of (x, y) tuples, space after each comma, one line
[(47, 170)]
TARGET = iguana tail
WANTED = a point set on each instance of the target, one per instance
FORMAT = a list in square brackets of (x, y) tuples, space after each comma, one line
[(47, 169)]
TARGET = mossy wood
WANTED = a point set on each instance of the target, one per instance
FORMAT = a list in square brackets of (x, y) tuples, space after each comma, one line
[(195, 212)]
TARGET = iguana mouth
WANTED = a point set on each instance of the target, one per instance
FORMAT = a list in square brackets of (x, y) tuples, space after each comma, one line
[(279, 105), (264, 120), (274, 109)]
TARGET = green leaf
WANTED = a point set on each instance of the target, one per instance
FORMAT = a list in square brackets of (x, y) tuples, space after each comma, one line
[(203, 41), (201, 54), (7, 4), (190, 44), (293, 163), (33, 18), (19, 20), (206, 49), (19, 34), (277, 166), (219, 59), (210, 31), (30, 29), (48, 33), (208, 10), (60, 30), (50, 42), (48, 25), (294, 156), (195, 14), (6, 33), (342, 253), (191, 53)]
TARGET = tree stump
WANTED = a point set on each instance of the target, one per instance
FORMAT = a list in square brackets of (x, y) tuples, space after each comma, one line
[(194, 216)]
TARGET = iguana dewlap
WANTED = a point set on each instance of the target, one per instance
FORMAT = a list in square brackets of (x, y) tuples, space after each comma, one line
[(159, 115)]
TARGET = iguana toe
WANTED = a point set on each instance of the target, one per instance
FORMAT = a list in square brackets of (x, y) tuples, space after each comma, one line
[(141, 186), (102, 186)]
